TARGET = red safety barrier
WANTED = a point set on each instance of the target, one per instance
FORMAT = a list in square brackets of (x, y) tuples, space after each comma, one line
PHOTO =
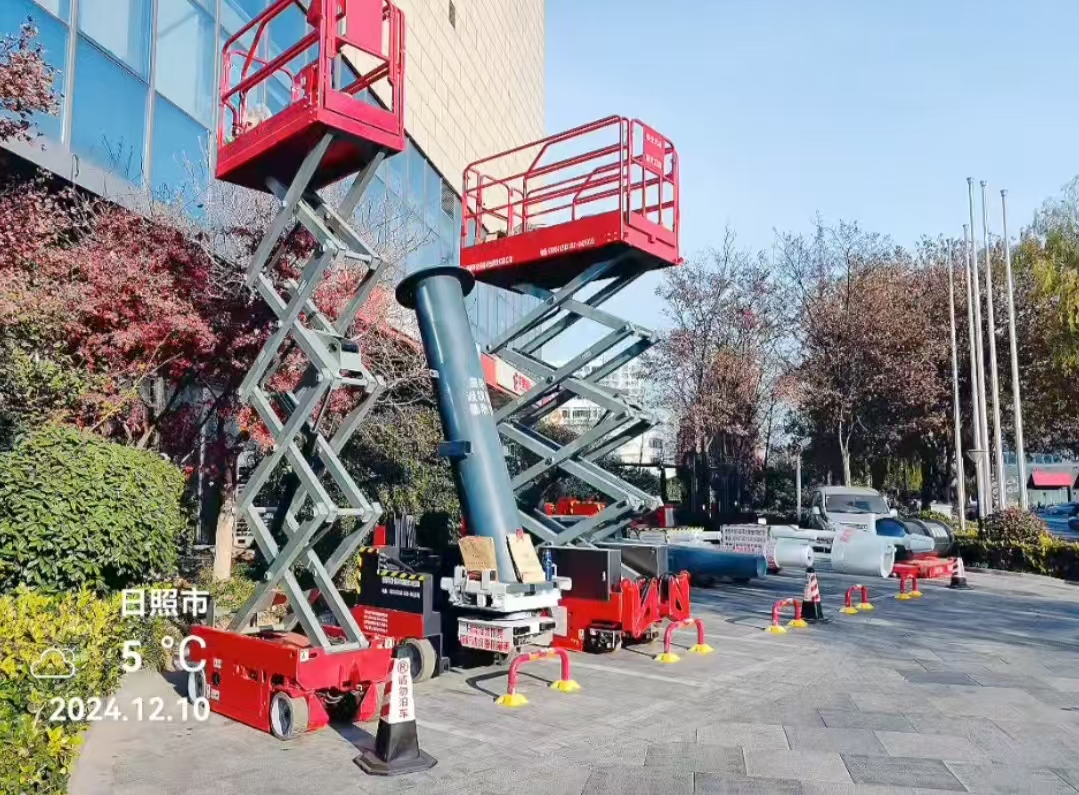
[(700, 647), (798, 622), (848, 604), (565, 683), (913, 593)]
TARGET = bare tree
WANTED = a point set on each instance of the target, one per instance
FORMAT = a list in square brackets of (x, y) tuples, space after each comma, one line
[(719, 368)]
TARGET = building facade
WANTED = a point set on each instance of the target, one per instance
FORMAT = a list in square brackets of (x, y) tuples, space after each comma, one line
[(1051, 479), (139, 80)]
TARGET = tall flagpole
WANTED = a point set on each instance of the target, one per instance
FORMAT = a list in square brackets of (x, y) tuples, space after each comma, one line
[(1017, 406), (998, 450), (960, 474), (979, 355), (975, 424)]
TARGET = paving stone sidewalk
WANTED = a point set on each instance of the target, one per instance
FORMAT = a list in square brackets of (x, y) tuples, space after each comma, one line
[(961, 691)]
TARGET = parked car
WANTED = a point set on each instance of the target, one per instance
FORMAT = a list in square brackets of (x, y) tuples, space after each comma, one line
[(838, 507), (1062, 519)]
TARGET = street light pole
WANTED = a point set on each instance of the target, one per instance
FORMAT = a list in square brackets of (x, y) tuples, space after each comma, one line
[(998, 451), (976, 426), (798, 481), (979, 355), (960, 474), (1017, 406)]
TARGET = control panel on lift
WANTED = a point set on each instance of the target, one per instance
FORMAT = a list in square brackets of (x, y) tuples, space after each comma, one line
[(393, 598)]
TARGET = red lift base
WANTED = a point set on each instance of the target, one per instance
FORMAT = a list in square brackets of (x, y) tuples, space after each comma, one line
[(632, 612), (279, 683), (927, 568)]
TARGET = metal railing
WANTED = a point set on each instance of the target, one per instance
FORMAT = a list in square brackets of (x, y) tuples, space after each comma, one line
[(626, 166)]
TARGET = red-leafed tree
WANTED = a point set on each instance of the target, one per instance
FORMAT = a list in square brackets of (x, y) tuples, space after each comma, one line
[(26, 85), (870, 353)]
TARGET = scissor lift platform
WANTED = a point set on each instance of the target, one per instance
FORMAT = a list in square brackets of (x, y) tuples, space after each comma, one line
[(572, 220), (544, 213), (326, 89)]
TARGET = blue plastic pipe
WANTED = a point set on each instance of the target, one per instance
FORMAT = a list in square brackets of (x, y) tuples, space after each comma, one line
[(703, 560), (468, 424)]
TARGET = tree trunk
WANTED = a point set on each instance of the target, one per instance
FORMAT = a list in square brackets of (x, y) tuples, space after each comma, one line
[(844, 454), (878, 471), (226, 527)]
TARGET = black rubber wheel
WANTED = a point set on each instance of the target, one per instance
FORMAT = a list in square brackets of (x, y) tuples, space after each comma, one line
[(288, 716), (196, 685), (422, 658)]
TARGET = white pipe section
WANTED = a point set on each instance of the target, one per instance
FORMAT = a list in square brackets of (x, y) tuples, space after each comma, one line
[(787, 531), (862, 554), (792, 553)]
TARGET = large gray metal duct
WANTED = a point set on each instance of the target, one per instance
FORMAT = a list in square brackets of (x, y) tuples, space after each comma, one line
[(472, 443)]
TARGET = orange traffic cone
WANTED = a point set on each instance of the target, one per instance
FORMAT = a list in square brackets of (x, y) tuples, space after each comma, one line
[(812, 610), (959, 575), (397, 748)]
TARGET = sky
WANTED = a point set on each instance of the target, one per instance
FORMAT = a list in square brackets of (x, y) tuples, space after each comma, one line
[(872, 111)]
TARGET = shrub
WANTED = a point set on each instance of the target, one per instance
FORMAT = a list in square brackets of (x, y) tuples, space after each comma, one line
[(39, 754), (77, 511), (1046, 555), (1015, 526), (229, 595), (949, 520)]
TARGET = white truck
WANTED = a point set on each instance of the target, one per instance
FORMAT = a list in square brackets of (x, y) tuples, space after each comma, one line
[(833, 509)]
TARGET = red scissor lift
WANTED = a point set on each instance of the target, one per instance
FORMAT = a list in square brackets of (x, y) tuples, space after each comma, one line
[(572, 220), (322, 128)]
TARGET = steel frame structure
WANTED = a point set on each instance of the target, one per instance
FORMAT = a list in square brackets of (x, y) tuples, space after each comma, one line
[(575, 230), (307, 511), (622, 420)]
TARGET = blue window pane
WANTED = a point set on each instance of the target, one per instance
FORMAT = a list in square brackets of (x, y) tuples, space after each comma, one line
[(278, 93), (447, 230), (416, 180), (395, 173), (236, 13), (180, 168), (371, 214), (185, 57), (120, 26), (433, 194), (60, 9), (108, 113), (52, 36)]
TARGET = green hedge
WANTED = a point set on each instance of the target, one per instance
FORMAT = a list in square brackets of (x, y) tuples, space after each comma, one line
[(38, 754), (77, 511), (1046, 555)]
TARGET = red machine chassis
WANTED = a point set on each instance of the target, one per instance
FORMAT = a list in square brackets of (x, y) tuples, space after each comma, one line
[(634, 609), (924, 568), (244, 672)]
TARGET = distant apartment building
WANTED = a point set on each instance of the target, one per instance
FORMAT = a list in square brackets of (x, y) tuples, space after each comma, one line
[(579, 415)]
